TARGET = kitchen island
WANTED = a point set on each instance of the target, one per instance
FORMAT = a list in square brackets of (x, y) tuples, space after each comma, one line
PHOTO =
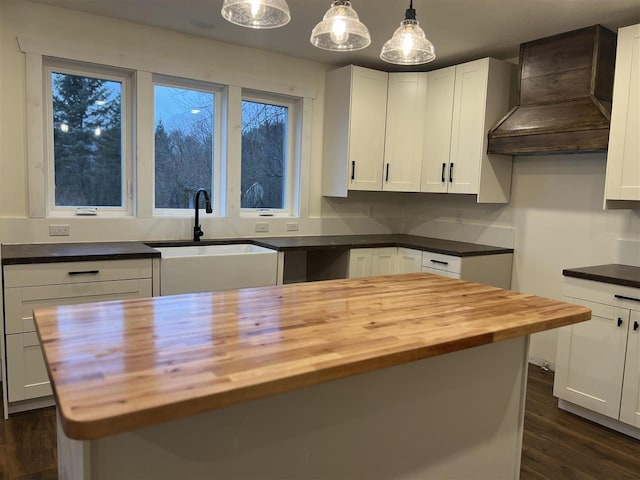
[(404, 376)]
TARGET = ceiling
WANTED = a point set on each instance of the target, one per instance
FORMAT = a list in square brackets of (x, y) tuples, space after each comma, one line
[(461, 30)]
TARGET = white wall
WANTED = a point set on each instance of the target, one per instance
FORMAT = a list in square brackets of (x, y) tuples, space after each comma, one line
[(25, 19), (556, 220)]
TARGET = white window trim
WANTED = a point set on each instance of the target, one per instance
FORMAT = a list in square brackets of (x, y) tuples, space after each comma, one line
[(218, 185), (51, 65), (294, 158), (35, 48)]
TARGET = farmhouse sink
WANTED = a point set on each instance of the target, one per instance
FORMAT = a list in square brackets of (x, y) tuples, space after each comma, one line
[(205, 268)]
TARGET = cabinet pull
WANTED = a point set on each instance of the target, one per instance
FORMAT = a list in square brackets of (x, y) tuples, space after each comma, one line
[(386, 177), (451, 172), (440, 262), (84, 272), (353, 170), (619, 321), (622, 297), (635, 326), (444, 165)]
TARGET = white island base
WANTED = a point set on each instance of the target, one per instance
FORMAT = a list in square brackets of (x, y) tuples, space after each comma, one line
[(454, 416)]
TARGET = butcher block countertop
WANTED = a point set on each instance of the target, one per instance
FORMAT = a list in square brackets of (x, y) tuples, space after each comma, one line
[(122, 365)]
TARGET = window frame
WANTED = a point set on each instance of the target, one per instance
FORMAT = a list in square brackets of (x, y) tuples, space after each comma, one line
[(293, 160), (216, 170), (126, 77)]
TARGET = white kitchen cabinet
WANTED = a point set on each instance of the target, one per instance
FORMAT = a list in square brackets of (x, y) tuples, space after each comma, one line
[(366, 262), (462, 104), (360, 262), (437, 130), (489, 269), (492, 270), (409, 260), (630, 400), (354, 130), (384, 261), (623, 157), (404, 130), (598, 361), (31, 286)]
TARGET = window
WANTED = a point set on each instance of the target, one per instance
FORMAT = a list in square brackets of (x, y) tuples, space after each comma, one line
[(268, 166), (88, 122), (186, 131)]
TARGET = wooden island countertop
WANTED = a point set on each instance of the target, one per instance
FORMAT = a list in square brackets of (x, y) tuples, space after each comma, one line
[(122, 365)]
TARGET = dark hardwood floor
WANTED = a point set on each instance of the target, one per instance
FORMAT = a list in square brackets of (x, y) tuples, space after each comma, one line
[(557, 445)]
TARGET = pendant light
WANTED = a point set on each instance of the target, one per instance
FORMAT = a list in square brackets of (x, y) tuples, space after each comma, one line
[(340, 30), (409, 45), (257, 13)]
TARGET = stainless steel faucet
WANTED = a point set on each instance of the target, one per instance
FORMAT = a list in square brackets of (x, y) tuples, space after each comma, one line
[(197, 231)]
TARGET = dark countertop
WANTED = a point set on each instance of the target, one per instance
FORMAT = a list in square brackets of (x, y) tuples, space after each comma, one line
[(72, 252), (437, 245), (616, 274)]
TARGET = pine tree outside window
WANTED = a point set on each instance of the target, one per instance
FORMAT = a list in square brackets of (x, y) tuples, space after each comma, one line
[(88, 142)]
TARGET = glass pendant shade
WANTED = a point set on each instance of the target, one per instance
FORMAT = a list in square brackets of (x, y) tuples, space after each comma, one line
[(340, 29), (257, 13), (409, 45)]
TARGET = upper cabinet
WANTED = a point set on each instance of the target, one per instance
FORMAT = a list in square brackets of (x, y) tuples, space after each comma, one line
[(404, 129), (623, 158), (412, 132), (462, 104), (354, 130)]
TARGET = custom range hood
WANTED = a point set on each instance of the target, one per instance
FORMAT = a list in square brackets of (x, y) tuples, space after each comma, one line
[(566, 82)]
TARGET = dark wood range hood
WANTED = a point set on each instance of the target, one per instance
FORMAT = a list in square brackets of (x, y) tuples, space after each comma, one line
[(566, 84)]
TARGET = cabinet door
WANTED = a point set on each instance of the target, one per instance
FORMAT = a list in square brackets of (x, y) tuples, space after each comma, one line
[(360, 262), (623, 166), (367, 122), (590, 359), (405, 125), (630, 404), (26, 372), (467, 135), (409, 260), (437, 130), (20, 301), (384, 260)]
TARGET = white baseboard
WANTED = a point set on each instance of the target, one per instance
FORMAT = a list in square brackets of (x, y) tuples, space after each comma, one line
[(32, 404), (598, 418)]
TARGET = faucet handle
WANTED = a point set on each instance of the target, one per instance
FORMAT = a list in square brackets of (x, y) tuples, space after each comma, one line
[(197, 233)]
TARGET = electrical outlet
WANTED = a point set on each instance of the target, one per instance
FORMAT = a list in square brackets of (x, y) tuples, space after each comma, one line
[(292, 227), (262, 227), (58, 230)]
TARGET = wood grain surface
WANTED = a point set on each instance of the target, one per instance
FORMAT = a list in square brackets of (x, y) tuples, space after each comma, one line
[(118, 366)]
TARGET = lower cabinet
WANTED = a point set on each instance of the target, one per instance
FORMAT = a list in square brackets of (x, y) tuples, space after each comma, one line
[(488, 269), (366, 262), (41, 285), (598, 361), (492, 270), (26, 372)]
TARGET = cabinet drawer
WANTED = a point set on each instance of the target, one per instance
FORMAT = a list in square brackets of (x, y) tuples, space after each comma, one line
[(26, 371), (75, 272), (443, 273), (448, 263), (20, 301)]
